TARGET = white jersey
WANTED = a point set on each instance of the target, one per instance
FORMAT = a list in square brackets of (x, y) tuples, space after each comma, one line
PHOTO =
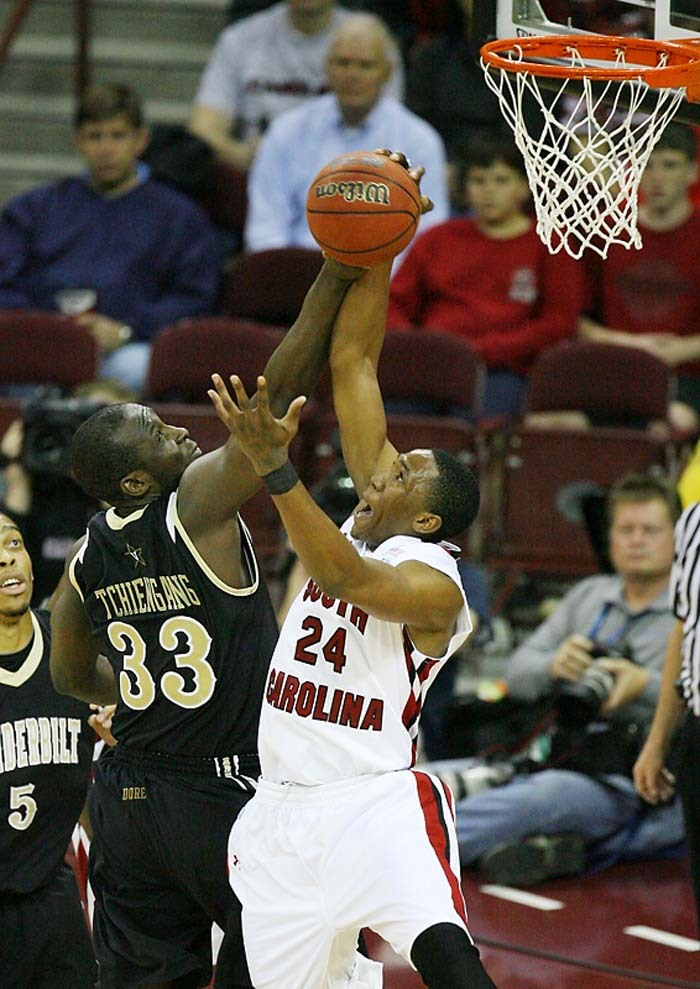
[(345, 690)]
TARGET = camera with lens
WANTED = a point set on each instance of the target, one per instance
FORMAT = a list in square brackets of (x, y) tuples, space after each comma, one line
[(49, 422), (579, 702)]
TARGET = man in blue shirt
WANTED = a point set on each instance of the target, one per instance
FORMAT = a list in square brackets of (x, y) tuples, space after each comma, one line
[(143, 254), (355, 116)]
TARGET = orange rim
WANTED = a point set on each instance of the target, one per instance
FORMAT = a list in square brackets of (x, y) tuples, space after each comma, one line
[(661, 64)]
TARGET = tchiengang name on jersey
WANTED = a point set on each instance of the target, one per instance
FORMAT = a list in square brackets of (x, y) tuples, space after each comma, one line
[(38, 742), (144, 595)]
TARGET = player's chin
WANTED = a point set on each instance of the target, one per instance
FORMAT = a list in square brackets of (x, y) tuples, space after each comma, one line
[(362, 527)]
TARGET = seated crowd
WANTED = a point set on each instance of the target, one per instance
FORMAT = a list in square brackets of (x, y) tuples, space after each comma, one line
[(127, 255)]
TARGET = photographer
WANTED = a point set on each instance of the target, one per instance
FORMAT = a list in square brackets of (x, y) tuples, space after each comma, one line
[(35, 487), (598, 660)]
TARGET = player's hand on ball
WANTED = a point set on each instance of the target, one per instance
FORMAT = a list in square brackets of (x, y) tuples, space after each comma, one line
[(416, 174), (363, 208)]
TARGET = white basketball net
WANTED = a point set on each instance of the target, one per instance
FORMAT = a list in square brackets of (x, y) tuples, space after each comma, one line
[(585, 163)]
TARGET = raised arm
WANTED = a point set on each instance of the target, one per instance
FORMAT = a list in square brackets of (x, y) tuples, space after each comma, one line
[(356, 344), (411, 593), (214, 487), (357, 341)]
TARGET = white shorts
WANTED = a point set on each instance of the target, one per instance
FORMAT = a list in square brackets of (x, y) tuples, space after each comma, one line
[(314, 865)]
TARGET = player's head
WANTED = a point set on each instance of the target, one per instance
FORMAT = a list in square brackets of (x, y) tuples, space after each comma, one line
[(110, 134), (642, 512), (425, 493), (16, 576), (494, 178), (359, 65), (127, 456), (672, 169)]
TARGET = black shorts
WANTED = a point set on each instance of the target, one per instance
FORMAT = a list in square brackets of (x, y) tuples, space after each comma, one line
[(45, 940), (158, 872)]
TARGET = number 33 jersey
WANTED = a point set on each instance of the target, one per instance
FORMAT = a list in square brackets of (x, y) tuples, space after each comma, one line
[(345, 690), (189, 652)]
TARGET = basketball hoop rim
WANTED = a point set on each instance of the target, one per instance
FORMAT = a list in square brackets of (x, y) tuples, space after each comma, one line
[(680, 71)]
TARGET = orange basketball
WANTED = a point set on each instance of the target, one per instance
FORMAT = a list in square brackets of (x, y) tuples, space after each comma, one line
[(362, 208)]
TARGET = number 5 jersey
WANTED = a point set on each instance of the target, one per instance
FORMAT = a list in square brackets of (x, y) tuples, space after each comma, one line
[(46, 750)]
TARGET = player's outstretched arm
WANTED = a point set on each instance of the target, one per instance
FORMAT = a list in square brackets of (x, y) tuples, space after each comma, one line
[(412, 593), (295, 366), (356, 344), (76, 665), (214, 487)]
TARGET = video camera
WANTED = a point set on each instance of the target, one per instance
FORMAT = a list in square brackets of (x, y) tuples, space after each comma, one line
[(50, 421)]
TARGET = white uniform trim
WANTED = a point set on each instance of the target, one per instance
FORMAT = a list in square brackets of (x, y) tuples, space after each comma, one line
[(31, 663), (174, 522)]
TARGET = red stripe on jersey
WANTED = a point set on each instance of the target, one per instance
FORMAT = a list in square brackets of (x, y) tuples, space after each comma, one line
[(425, 668), (438, 836), (412, 707), (449, 797)]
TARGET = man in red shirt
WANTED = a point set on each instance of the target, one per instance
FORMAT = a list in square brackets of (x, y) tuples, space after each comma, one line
[(650, 298), (489, 278)]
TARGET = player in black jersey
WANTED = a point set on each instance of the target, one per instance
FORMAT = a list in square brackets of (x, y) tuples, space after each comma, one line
[(165, 612), (45, 756)]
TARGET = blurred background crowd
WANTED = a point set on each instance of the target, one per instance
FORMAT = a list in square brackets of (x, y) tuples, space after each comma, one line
[(153, 230)]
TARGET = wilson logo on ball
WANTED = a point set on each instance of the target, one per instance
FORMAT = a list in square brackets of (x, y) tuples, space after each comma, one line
[(353, 192), (363, 208)]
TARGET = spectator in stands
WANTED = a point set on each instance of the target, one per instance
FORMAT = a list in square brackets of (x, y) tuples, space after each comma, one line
[(355, 116), (489, 278), (143, 253), (261, 66), (650, 298), (398, 15), (598, 660)]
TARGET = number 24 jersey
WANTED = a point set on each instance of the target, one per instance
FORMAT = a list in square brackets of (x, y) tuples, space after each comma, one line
[(345, 690)]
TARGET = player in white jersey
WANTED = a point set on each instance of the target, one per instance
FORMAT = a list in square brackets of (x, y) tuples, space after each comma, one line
[(343, 833)]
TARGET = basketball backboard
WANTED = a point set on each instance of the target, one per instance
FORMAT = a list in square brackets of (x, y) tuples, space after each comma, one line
[(660, 19)]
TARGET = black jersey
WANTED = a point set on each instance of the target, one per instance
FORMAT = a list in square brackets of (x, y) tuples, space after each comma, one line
[(46, 750), (190, 653)]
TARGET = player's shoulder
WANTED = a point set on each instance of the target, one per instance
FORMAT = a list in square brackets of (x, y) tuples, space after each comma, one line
[(43, 617), (408, 549)]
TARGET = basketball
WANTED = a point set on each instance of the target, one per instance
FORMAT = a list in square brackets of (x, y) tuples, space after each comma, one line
[(363, 208)]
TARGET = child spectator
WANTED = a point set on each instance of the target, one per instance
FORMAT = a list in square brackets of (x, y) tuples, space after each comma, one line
[(489, 278)]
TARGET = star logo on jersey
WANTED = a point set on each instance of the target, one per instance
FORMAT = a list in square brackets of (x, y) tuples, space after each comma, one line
[(135, 553)]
